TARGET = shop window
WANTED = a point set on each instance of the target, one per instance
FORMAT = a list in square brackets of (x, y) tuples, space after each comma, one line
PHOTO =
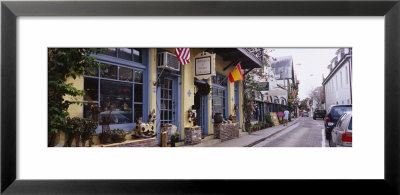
[(111, 52), (109, 71), (91, 111), (121, 92), (125, 74), (117, 98), (218, 101), (137, 55), (219, 80), (130, 54), (91, 88), (138, 93), (125, 53), (218, 94), (139, 76)]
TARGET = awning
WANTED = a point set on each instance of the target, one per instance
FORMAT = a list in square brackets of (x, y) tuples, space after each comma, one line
[(249, 57)]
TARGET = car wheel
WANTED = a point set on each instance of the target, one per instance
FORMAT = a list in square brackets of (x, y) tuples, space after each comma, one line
[(314, 118), (327, 135)]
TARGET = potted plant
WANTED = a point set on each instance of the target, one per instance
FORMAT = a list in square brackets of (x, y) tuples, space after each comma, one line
[(255, 127), (105, 135), (174, 138), (262, 125), (269, 120), (118, 135), (73, 130), (89, 128)]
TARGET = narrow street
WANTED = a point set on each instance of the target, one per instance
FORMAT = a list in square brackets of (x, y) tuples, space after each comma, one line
[(305, 133)]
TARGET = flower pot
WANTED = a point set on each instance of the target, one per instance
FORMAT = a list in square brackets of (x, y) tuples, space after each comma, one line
[(218, 118)]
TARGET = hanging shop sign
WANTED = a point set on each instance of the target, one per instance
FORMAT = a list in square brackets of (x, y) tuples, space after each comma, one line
[(204, 66)]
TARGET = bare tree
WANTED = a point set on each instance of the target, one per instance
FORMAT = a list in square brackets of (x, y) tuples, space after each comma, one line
[(318, 94)]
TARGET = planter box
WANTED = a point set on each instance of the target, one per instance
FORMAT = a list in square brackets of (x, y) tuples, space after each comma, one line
[(192, 135), (226, 131)]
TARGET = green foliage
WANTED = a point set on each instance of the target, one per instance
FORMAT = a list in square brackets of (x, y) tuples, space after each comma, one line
[(62, 64), (268, 118), (89, 129), (118, 135), (250, 87), (175, 137), (303, 105)]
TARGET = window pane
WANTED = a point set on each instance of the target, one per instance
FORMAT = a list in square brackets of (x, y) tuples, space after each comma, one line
[(109, 71), (117, 97), (125, 74), (91, 111), (138, 111), (91, 88), (139, 76), (111, 52), (125, 53), (138, 93), (137, 55)]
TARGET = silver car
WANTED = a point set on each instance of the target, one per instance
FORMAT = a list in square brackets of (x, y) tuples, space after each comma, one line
[(342, 133)]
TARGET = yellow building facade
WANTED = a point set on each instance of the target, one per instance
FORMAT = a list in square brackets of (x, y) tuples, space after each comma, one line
[(171, 94)]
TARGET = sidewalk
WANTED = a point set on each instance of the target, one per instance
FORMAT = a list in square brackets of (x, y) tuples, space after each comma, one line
[(245, 139)]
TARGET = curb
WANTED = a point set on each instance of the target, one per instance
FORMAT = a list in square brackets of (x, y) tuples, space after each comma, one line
[(263, 139)]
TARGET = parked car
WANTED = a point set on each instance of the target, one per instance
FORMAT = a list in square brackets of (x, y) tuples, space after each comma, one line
[(332, 116), (304, 114), (319, 114), (342, 133)]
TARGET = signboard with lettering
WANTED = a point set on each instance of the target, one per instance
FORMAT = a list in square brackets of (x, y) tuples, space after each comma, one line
[(204, 66)]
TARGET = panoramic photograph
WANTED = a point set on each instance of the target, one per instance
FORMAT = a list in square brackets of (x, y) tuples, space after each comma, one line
[(200, 97)]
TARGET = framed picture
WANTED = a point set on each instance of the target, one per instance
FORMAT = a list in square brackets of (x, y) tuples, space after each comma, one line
[(11, 56)]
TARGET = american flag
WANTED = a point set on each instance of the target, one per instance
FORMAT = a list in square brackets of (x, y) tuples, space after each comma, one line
[(183, 55)]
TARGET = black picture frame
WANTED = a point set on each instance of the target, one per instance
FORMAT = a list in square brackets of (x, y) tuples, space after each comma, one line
[(10, 10)]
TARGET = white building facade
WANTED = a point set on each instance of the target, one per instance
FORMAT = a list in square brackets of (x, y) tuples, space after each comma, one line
[(338, 84)]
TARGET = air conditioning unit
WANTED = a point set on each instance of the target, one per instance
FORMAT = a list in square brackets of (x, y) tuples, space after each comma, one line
[(168, 61)]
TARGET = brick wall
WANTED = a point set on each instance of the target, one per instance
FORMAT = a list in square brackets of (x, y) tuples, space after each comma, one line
[(192, 135)]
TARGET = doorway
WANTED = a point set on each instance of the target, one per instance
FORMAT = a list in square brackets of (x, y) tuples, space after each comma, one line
[(201, 107), (168, 103)]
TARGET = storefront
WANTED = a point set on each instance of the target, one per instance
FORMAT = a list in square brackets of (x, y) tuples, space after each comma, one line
[(132, 83), (118, 88)]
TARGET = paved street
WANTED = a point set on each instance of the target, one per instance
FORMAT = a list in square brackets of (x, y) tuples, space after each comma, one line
[(305, 133)]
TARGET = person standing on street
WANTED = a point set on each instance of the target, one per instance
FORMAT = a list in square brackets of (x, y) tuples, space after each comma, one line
[(285, 117)]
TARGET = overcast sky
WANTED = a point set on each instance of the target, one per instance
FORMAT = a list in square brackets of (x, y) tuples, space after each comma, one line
[(309, 64)]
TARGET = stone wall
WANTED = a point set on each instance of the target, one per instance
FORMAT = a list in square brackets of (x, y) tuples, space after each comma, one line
[(192, 135), (226, 131)]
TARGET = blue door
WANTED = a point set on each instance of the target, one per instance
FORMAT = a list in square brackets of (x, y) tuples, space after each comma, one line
[(167, 103), (201, 107)]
